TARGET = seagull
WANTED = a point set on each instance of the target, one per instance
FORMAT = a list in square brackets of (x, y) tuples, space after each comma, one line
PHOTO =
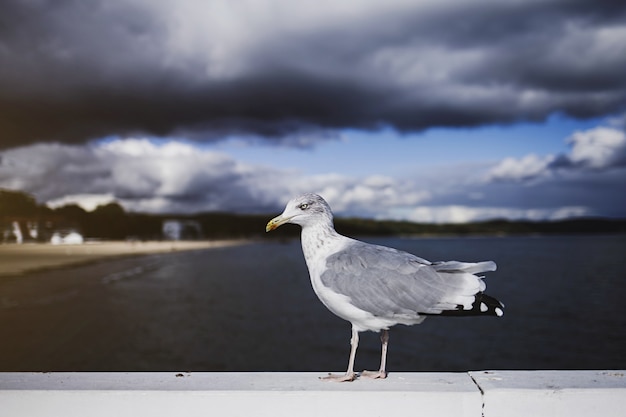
[(376, 287)]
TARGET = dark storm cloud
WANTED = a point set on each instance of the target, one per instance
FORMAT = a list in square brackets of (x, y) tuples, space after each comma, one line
[(72, 71)]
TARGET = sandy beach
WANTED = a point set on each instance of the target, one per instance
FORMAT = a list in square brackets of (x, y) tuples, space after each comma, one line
[(18, 259)]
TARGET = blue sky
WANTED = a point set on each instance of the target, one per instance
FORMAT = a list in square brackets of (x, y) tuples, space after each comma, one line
[(387, 109), (389, 152)]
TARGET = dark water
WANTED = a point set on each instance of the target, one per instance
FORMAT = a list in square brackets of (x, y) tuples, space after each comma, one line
[(251, 308)]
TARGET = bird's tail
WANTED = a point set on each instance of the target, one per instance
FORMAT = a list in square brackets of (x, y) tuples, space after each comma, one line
[(466, 295), (483, 305)]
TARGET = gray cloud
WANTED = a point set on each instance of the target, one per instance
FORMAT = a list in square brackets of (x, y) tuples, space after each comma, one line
[(142, 176), (74, 71), (177, 177)]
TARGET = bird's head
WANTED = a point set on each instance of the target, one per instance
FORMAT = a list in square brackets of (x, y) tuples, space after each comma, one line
[(304, 210)]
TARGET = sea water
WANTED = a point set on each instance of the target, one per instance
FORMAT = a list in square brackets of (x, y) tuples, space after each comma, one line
[(251, 308)]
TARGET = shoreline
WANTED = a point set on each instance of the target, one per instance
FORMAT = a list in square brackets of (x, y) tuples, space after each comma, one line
[(20, 259)]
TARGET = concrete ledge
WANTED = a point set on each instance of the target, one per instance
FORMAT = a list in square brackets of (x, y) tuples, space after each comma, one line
[(233, 394), (494, 393), (552, 393)]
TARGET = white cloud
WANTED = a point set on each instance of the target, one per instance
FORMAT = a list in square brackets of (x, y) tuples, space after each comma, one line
[(528, 167), (172, 169), (598, 148), (371, 196), (464, 214), (87, 201)]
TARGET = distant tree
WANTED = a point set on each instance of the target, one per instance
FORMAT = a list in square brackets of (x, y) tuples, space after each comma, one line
[(145, 226), (71, 216), (71, 212), (109, 210), (17, 203), (108, 221), (18, 209)]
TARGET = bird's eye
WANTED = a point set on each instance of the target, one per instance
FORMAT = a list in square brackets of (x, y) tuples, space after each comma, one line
[(304, 206)]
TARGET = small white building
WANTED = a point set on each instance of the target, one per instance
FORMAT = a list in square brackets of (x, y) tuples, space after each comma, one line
[(12, 232), (181, 229), (17, 231), (71, 238)]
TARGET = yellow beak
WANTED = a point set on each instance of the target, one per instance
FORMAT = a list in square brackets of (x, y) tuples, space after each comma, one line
[(276, 222)]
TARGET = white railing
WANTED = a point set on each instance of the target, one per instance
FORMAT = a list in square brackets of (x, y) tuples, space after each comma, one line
[(479, 393)]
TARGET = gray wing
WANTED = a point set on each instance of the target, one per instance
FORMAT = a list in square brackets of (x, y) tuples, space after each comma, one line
[(388, 282)]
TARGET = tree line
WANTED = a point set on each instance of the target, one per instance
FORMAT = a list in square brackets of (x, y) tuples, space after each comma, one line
[(111, 221)]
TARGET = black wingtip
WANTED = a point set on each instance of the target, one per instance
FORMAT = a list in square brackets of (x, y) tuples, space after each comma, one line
[(484, 305), (488, 305)]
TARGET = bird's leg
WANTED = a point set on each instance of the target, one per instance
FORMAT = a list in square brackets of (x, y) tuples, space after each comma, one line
[(349, 375), (381, 373)]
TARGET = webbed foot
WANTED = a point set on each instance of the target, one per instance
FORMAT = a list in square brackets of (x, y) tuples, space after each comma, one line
[(374, 374), (348, 377)]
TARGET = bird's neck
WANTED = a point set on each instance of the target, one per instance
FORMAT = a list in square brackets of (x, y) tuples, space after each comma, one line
[(320, 240)]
